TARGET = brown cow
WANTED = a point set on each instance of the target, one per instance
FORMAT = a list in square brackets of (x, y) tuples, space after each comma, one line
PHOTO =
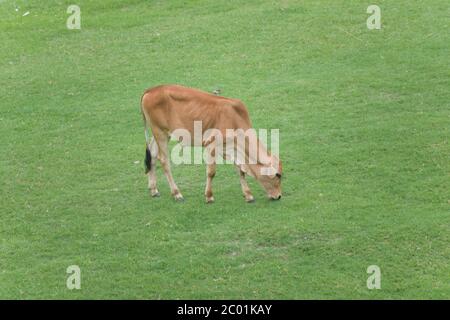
[(167, 108)]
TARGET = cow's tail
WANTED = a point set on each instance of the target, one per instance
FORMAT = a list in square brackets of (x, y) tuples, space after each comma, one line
[(148, 155)]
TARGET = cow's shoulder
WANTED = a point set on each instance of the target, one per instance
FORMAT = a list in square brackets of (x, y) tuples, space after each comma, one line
[(238, 106), (237, 110)]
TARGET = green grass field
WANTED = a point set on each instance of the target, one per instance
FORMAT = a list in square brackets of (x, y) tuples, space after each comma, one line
[(364, 119)]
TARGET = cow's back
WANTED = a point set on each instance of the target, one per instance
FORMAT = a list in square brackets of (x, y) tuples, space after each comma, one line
[(173, 107)]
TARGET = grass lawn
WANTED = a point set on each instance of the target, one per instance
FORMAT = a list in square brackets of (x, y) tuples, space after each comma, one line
[(364, 120)]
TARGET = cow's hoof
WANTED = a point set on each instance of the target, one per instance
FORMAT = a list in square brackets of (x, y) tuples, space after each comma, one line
[(210, 200), (155, 194), (250, 200), (179, 198)]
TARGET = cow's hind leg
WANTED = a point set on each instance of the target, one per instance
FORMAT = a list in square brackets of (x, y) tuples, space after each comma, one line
[(162, 139), (245, 188), (153, 148)]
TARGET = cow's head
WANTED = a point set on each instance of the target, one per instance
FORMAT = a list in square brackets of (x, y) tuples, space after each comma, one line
[(268, 175), (259, 163)]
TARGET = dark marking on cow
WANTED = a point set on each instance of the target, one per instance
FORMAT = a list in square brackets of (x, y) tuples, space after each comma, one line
[(148, 159)]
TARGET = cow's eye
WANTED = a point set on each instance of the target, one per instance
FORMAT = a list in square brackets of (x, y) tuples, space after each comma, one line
[(278, 175)]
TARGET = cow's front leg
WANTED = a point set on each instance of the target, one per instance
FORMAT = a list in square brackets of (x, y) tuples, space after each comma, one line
[(210, 173), (244, 185), (210, 144)]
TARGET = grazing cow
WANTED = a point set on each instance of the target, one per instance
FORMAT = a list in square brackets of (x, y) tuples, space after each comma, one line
[(168, 108)]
